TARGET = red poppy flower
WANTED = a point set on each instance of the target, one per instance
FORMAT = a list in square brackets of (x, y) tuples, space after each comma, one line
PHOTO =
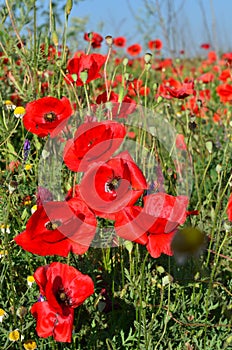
[(47, 115), (180, 142), (185, 90), (155, 44), (177, 90), (116, 109), (64, 288), (56, 228), (91, 64), (227, 57), (109, 187), (155, 224), (196, 106), (93, 142), (224, 91), (164, 63), (132, 224), (206, 78), (205, 46), (95, 38), (144, 91), (212, 57), (229, 208), (13, 165), (120, 41), (225, 74), (134, 50), (204, 94)]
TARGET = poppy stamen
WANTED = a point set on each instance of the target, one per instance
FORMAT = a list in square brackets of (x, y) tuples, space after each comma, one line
[(51, 226), (50, 117), (113, 184), (63, 297)]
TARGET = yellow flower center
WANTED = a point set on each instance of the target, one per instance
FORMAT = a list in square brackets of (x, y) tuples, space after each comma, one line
[(30, 279), (2, 312), (14, 335), (19, 112), (30, 345), (51, 226), (50, 117), (28, 167)]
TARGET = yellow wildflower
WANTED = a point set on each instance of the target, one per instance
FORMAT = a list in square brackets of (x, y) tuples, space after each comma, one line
[(9, 105), (2, 315), (30, 345), (30, 280), (3, 252), (28, 167), (34, 208), (5, 228), (19, 112), (14, 335)]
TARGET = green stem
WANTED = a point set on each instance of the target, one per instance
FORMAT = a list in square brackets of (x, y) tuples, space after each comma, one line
[(141, 308), (105, 73), (64, 38), (11, 272), (87, 98)]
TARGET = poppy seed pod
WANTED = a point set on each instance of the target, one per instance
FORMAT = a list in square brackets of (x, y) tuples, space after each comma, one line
[(109, 40), (84, 76), (147, 57)]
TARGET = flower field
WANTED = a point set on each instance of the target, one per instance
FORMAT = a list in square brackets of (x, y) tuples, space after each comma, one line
[(116, 200)]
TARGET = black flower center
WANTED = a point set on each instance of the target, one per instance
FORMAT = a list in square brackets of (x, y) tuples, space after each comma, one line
[(63, 298), (50, 117), (51, 226), (113, 184)]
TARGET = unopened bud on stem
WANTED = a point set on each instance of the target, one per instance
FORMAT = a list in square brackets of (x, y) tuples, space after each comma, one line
[(68, 7), (55, 38)]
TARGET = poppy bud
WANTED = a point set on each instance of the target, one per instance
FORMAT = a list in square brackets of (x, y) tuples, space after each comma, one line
[(126, 76), (68, 7), (125, 61), (209, 146), (55, 38), (155, 86)]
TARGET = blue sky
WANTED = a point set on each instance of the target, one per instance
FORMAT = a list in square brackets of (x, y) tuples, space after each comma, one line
[(188, 28)]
